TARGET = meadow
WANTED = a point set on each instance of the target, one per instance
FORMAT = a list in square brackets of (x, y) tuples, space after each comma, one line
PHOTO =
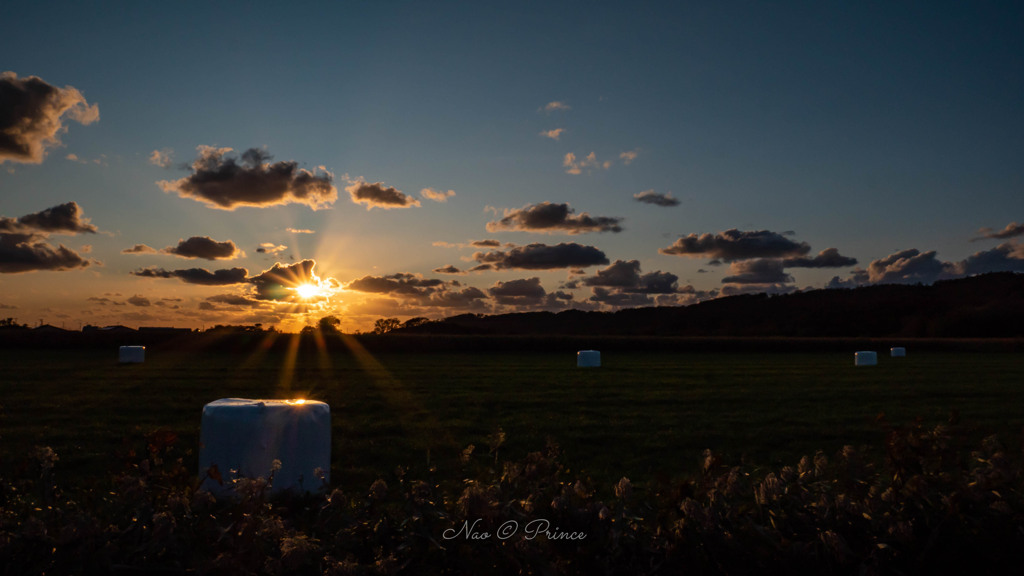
[(641, 415), (674, 461)]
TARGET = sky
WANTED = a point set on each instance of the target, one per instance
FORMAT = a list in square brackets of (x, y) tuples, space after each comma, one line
[(190, 164)]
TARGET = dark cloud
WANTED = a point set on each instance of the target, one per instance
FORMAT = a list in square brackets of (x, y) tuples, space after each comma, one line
[(652, 197), (827, 258), (377, 195), (758, 271), (221, 181), (1012, 230), (198, 275), (737, 289), (908, 267), (553, 218), (139, 301), (233, 300), (62, 219), (204, 247), (734, 244), (29, 252), (413, 289), (271, 248), (469, 297), (401, 283), (277, 282), (622, 285), (32, 116), (523, 292), (485, 243), (1003, 258), (542, 257), (139, 249), (449, 269), (620, 299), (620, 274)]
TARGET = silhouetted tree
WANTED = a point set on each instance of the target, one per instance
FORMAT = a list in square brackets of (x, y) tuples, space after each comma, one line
[(329, 325), (385, 325), (413, 322)]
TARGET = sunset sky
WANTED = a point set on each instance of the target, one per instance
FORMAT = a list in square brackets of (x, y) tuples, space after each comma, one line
[(184, 164)]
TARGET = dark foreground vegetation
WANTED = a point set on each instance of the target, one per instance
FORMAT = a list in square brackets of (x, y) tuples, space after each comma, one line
[(926, 501)]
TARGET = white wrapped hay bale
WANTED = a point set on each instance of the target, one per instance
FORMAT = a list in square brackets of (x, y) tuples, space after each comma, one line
[(588, 359), (131, 354), (897, 352), (865, 358), (243, 438)]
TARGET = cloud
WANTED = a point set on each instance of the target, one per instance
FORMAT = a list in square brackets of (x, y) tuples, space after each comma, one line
[(574, 166), (401, 283), (734, 244), (277, 282), (651, 197), (551, 218), (65, 218), (1006, 257), (555, 106), (220, 181), (827, 258), (199, 276), (234, 300), (204, 247), (488, 243), (23, 246), (414, 289), (377, 195), (29, 252), (541, 257), (1012, 230), (908, 267), (139, 301), (299, 231), (622, 285), (628, 156), (437, 195), (139, 249), (163, 158), (32, 116), (449, 269), (523, 292), (553, 134), (625, 276), (271, 248), (758, 271)]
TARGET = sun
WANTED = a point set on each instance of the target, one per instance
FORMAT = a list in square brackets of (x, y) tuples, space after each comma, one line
[(309, 291)]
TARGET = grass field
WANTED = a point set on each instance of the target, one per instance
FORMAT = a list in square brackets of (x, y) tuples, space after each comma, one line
[(641, 415)]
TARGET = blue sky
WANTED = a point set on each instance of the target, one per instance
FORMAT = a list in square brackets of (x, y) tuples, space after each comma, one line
[(891, 134)]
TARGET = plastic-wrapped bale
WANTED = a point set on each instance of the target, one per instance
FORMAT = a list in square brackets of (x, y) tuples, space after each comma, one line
[(131, 354), (897, 352), (865, 358), (243, 438), (588, 359)]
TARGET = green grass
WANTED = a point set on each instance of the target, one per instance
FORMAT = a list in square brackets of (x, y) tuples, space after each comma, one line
[(640, 415)]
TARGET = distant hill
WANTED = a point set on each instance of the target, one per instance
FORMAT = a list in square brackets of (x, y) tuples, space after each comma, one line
[(984, 306)]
